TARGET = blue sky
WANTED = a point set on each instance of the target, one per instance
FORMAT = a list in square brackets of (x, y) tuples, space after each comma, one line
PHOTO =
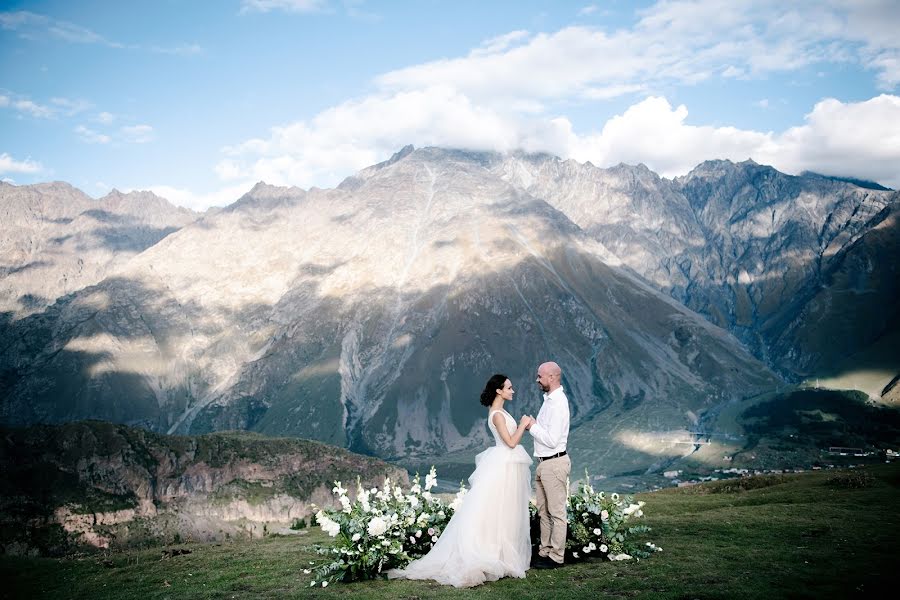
[(199, 100)]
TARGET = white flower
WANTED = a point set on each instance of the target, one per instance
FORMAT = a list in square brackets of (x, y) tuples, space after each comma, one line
[(306, 571), (345, 503), (604, 514), (415, 489), (615, 497), (312, 583), (621, 556), (592, 546), (328, 526), (412, 539), (431, 531), (441, 514), (630, 509), (602, 495), (419, 533), (431, 479), (597, 531), (377, 526), (603, 548), (385, 543), (338, 489), (324, 584), (355, 537), (412, 501), (639, 513), (433, 538), (586, 550), (575, 554), (426, 495)]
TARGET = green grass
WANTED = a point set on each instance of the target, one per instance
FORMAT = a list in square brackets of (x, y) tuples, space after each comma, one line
[(824, 534)]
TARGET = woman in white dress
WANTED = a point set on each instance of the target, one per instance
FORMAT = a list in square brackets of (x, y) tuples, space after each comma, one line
[(488, 536)]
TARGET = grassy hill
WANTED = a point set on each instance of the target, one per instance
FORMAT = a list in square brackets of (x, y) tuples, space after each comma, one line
[(825, 534)]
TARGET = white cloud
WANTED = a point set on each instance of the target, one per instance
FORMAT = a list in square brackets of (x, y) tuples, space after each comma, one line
[(860, 139), (588, 10), (24, 105), (105, 118), (10, 165), (180, 50), (37, 25), (199, 201), (510, 90), (90, 136), (71, 107), (673, 42), (654, 133), (137, 134), (298, 6), (356, 134), (56, 107)]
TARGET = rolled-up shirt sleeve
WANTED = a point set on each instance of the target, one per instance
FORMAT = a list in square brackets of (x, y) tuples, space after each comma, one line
[(552, 424)]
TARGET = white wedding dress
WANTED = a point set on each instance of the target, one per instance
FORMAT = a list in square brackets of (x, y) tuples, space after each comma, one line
[(488, 536)]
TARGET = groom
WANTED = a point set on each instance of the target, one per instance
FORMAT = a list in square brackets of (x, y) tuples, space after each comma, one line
[(550, 432)]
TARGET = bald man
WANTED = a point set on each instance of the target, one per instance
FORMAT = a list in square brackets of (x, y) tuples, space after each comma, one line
[(551, 433)]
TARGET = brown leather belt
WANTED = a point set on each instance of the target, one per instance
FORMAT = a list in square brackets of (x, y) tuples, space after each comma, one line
[(557, 455)]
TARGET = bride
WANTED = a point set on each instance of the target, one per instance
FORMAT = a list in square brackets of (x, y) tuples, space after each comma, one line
[(488, 536)]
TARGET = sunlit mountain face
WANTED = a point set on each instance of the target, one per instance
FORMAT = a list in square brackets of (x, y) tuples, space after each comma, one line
[(371, 314)]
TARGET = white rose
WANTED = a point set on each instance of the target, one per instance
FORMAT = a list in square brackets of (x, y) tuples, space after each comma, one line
[(355, 537), (603, 548), (377, 526), (597, 531)]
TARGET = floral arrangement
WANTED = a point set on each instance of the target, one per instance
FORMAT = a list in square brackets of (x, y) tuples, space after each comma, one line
[(601, 524), (387, 528), (381, 529)]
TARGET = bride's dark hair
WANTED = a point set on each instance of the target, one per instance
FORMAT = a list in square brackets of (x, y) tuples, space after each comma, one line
[(496, 382)]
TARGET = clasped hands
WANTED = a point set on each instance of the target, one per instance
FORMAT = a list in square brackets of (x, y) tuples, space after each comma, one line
[(528, 421)]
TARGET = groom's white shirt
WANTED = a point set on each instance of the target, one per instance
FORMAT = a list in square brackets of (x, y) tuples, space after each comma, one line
[(551, 432)]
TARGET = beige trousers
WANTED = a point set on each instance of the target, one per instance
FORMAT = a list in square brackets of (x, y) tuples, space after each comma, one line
[(551, 487)]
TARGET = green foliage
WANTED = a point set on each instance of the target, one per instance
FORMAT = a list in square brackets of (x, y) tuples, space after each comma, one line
[(298, 524)]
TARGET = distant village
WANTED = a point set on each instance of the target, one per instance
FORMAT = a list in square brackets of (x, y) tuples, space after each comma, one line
[(889, 455)]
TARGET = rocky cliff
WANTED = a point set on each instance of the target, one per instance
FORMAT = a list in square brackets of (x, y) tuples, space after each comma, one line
[(98, 484)]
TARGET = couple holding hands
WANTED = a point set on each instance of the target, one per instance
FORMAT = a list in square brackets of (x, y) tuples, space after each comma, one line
[(489, 535)]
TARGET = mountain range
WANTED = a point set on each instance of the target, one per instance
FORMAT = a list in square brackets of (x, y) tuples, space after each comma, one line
[(369, 315)]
